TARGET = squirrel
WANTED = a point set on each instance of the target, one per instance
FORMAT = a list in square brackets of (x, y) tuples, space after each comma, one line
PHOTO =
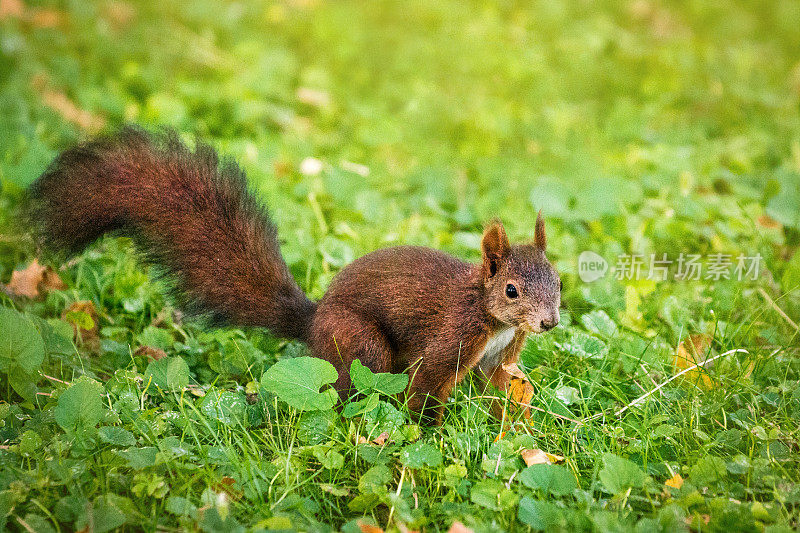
[(399, 309)]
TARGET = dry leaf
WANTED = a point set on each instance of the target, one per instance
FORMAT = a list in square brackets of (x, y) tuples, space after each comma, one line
[(690, 520), (458, 527), (332, 489), (693, 350), (514, 370), (675, 481), (361, 440), (196, 391), (368, 528), (540, 457), (380, 440), (766, 221), (61, 104), (34, 279), (47, 18), (151, 352), (225, 486), (313, 97), (535, 457), (11, 9), (119, 14)]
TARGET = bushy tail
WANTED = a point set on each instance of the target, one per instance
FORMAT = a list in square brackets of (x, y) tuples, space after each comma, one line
[(187, 213)]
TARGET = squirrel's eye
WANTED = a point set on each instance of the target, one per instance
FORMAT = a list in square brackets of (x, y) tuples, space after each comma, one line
[(511, 291)]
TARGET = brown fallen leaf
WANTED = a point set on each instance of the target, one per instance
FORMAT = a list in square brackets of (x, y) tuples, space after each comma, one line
[(225, 485), (47, 18), (11, 9), (540, 457), (368, 528), (119, 14), (514, 370), (151, 352), (675, 482), (34, 280), (694, 350), (766, 221), (380, 440), (458, 527)]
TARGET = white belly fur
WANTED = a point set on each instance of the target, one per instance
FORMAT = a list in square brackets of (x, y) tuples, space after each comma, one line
[(490, 357)]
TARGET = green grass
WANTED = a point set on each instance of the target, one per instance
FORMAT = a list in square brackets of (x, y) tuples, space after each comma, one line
[(642, 127)]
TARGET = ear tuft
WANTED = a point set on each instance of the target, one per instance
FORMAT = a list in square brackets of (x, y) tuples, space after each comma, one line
[(495, 246), (539, 235)]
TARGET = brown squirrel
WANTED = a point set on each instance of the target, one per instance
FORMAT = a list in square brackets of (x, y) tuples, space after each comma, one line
[(402, 309)]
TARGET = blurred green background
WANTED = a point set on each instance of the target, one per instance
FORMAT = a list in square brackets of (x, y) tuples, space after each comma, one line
[(638, 126)]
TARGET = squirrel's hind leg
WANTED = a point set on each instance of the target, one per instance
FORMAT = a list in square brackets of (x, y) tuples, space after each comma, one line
[(341, 337)]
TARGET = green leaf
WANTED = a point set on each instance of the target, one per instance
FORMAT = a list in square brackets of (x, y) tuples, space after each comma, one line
[(493, 495), (366, 381), (29, 443), (169, 373), (555, 479), (538, 514), (599, 322), (708, 470), (21, 343), (419, 454), (362, 406), (80, 407), (38, 523), (103, 516), (156, 337), (618, 474), (315, 426), (117, 436), (385, 418), (501, 459), (180, 506), (375, 479), (328, 458), (226, 407), (297, 382), (665, 430), (584, 346), (783, 206), (453, 474), (139, 458)]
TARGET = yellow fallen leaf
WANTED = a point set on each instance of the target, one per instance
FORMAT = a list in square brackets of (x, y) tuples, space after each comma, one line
[(520, 391), (694, 350), (540, 457), (675, 481)]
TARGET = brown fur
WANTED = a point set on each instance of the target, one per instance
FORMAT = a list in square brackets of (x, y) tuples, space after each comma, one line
[(399, 309)]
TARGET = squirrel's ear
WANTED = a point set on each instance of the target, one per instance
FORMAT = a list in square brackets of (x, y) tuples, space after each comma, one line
[(495, 247), (539, 236)]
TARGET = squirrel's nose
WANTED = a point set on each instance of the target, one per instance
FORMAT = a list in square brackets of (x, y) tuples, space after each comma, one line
[(549, 323)]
